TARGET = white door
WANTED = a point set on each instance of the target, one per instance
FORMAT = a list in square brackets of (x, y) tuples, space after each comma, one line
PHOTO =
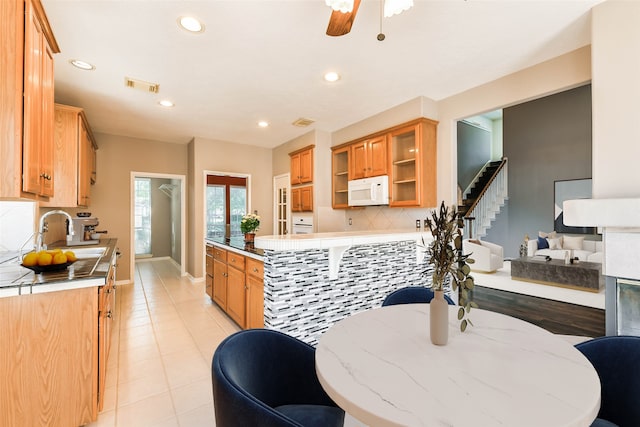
[(281, 204)]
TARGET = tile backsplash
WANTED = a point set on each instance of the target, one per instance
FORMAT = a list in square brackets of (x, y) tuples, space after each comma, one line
[(384, 218), (17, 224)]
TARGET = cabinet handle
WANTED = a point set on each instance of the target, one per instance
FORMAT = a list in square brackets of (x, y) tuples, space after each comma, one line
[(255, 270), (45, 176), (109, 315)]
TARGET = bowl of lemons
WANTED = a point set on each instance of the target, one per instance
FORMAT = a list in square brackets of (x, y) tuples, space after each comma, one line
[(48, 260)]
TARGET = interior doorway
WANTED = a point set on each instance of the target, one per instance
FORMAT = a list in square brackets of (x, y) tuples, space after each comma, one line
[(157, 218), (281, 204)]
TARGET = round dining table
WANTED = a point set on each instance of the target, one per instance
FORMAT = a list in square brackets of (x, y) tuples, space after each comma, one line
[(381, 368)]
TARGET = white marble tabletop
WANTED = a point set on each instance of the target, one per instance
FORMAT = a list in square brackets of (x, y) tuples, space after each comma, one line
[(380, 367)]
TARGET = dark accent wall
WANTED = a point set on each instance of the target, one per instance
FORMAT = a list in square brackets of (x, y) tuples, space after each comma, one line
[(474, 151), (545, 140)]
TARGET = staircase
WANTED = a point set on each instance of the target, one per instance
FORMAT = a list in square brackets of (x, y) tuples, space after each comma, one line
[(485, 197)]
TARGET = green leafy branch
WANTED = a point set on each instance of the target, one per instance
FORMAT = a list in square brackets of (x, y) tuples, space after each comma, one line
[(445, 254)]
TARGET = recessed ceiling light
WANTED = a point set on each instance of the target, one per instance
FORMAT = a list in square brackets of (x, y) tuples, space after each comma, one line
[(263, 123), (82, 65), (166, 103), (332, 76), (191, 24)]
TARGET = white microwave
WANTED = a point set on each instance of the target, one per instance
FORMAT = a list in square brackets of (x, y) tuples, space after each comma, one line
[(369, 191)]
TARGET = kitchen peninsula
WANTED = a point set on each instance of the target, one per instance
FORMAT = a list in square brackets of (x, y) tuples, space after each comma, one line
[(312, 281)]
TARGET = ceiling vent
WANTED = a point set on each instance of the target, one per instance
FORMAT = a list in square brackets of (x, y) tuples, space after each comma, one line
[(141, 85), (303, 122)]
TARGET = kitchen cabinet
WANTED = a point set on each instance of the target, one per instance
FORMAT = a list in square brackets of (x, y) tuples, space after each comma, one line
[(413, 171), (255, 294), (209, 271), (106, 309), (302, 199), (238, 289), (220, 277), (368, 158), (340, 177), (302, 165), (74, 158), (26, 100)]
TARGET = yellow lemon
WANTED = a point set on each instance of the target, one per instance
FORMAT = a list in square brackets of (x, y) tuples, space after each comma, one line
[(71, 257), (44, 258), (59, 258), (30, 259)]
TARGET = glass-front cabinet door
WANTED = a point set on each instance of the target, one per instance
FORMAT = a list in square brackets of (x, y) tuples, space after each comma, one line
[(413, 165)]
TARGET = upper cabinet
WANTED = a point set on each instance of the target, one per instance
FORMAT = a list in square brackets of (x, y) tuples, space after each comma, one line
[(412, 154), (26, 100), (407, 153), (368, 158), (74, 158), (302, 165), (340, 177), (302, 173)]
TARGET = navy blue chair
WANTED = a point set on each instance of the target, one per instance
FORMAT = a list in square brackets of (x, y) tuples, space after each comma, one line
[(617, 362), (266, 378), (412, 295)]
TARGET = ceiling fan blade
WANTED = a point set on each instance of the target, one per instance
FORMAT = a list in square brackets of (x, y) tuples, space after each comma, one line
[(340, 23)]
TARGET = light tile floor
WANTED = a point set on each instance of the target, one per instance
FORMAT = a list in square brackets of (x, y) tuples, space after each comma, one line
[(164, 334)]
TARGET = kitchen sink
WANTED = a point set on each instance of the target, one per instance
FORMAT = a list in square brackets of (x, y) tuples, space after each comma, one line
[(82, 253)]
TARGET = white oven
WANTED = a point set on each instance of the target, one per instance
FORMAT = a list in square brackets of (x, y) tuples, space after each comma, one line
[(302, 224)]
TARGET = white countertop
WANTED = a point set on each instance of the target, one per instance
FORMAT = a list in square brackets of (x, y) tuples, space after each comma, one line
[(299, 242), (381, 367)]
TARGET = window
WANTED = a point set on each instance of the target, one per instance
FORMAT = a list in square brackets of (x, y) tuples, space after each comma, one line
[(142, 226), (226, 204)]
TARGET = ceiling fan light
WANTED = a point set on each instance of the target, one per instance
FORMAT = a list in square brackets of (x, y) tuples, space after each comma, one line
[(396, 7), (344, 6)]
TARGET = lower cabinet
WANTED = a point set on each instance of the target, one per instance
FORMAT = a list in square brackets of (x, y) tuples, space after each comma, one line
[(236, 285), (106, 307)]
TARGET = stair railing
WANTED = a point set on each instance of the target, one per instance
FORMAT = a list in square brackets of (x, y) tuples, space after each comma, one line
[(491, 198)]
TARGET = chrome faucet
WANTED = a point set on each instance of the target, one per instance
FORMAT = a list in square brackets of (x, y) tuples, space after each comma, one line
[(44, 227)]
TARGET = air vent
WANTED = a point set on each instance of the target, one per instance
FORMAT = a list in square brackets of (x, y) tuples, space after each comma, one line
[(303, 122), (141, 85)]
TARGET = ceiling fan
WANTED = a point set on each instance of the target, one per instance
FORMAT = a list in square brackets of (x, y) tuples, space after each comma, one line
[(344, 13)]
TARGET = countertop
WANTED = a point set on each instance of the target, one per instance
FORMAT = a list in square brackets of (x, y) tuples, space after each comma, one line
[(17, 280), (300, 242), (238, 245)]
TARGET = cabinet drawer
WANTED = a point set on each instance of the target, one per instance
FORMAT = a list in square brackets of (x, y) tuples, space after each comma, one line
[(210, 250), (219, 254), (235, 260), (255, 268)]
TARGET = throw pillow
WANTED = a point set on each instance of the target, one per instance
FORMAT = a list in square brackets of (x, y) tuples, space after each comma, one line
[(543, 243), (551, 235), (573, 242), (555, 243)]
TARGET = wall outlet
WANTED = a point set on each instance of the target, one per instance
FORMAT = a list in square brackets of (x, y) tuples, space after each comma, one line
[(350, 221)]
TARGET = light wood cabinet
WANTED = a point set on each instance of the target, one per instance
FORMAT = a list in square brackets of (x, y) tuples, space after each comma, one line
[(413, 177), (106, 307), (26, 100), (302, 199), (302, 165), (209, 271), (220, 277), (368, 158), (340, 178), (237, 286), (255, 294), (73, 158)]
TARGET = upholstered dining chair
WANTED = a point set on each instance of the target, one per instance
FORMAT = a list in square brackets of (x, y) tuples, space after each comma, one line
[(617, 362), (265, 378), (412, 295)]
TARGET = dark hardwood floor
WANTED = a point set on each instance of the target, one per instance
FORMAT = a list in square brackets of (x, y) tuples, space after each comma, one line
[(555, 316)]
